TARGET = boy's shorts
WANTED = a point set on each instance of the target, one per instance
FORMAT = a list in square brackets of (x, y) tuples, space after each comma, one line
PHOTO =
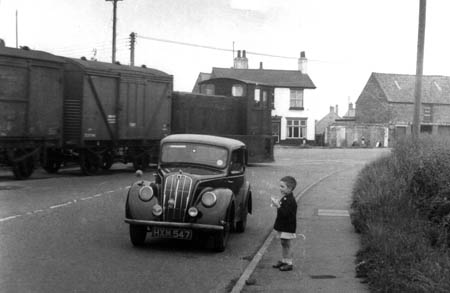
[(286, 235)]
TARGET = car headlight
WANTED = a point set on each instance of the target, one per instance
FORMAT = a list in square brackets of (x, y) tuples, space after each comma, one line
[(209, 199), (146, 193), (157, 210), (193, 212)]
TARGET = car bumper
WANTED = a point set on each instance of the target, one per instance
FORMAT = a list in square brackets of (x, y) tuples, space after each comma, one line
[(193, 226)]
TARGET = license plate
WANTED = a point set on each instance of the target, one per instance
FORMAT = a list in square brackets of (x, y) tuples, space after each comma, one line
[(161, 232)]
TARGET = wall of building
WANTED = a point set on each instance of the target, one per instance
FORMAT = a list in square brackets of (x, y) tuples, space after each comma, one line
[(282, 102), (372, 105), (355, 134)]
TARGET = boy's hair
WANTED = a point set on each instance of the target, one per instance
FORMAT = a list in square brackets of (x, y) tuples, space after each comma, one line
[(290, 182)]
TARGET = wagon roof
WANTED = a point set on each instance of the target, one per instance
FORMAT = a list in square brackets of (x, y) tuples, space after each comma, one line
[(89, 65), (29, 54), (205, 139)]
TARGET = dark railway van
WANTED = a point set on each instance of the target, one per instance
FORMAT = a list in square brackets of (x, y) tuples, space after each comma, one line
[(113, 113), (56, 110), (224, 115), (31, 89)]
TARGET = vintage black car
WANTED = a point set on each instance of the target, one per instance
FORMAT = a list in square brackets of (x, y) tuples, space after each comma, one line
[(199, 189)]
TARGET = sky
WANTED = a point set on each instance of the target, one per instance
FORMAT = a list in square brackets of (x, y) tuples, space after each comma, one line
[(344, 41)]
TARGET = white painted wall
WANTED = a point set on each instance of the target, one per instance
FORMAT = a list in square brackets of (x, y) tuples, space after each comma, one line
[(282, 97)]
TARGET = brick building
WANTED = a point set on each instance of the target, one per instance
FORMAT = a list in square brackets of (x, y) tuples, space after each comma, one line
[(385, 108), (324, 123), (389, 99)]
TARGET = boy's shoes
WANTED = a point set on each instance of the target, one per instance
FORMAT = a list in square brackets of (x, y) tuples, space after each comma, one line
[(278, 265), (286, 267)]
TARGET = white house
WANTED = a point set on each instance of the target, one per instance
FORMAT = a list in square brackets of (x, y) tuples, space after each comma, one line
[(292, 122)]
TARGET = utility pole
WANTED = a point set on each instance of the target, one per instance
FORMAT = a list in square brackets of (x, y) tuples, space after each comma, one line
[(114, 29), (419, 69), (132, 42), (17, 29)]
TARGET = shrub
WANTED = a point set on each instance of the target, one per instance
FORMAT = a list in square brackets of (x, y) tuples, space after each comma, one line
[(400, 205)]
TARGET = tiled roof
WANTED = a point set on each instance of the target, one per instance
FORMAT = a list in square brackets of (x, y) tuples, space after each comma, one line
[(270, 77), (201, 77), (400, 88)]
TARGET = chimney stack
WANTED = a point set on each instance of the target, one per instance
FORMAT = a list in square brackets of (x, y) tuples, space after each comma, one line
[(331, 109), (241, 62), (260, 65), (350, 106), (303, 63), (337, 110)]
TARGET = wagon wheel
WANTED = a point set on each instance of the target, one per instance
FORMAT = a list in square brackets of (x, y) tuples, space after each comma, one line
[(221, 237), (24, 168), (107, 161), (52, 166), (141, 162), (52, 163), (89, 163), (137, 234)]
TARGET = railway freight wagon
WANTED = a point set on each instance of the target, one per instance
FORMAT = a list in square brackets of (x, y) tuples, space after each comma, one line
[(228, 116), (113, 113), (31, 90)]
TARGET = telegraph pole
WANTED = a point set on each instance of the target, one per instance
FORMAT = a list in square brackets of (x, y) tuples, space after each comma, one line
[(114, 29), (419, 69), (17, 29), (132, 42)]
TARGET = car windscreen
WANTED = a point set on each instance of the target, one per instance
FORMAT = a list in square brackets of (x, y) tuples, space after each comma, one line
[(194, 153)]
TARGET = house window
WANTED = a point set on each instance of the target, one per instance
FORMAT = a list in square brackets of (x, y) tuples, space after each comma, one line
[(296, 128), (427, 114), (257, 97), (296, 101), (237, 90), (264, 98)]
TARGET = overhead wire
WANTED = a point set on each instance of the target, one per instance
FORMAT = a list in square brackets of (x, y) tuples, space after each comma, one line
[(219, 48)]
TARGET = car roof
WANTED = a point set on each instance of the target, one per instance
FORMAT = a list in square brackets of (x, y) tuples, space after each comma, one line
[(205, 139)]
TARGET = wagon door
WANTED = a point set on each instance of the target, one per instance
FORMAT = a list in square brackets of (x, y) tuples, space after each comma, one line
[(145, 109)]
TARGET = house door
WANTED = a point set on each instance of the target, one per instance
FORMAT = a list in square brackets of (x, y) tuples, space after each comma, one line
[(276, 129)]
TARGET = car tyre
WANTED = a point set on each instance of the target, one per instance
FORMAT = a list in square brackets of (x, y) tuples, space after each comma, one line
[(242, 224), (137, 234), (221, 238)]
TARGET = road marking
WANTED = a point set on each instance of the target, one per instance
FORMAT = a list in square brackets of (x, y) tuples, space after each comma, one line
[(333, 213), (61, 205), (258, 256), (9, 218)]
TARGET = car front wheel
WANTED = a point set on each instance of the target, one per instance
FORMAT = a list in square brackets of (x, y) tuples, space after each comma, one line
[(221, 238), (137, 234)]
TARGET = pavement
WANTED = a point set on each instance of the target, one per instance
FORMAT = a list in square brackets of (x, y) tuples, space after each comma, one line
[(324, 251)]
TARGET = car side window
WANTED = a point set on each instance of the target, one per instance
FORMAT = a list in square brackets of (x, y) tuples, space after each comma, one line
[(237, 162)]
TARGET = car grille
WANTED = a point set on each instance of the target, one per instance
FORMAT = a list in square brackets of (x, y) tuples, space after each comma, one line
[(176, 197)]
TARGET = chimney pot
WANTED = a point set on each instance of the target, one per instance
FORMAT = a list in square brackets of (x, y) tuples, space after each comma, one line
[(243, 53), (337, 110), (260, 65), (239, 53), (303, 63)]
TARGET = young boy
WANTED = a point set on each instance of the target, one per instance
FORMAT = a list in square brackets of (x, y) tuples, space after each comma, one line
[(286, 221)]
